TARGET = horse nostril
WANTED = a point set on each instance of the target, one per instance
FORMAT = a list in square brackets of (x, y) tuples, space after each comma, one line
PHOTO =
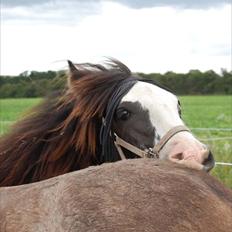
[(177, 156), (209, 162)]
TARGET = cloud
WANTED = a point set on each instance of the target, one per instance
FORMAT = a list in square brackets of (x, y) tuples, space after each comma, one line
[(130, 3), (73, 11), (154, 39), (57, 12), (172, 3)]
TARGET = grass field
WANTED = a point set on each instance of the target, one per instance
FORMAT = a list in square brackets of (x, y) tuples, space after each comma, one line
[(197, 112)]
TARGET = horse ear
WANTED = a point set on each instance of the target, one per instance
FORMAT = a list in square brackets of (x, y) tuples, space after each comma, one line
[(72, 67), (74, 73)]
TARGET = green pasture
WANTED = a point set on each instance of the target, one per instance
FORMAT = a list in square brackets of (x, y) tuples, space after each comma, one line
[(197, 112)]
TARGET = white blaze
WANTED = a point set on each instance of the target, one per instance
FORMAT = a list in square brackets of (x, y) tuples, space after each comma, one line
[(161, 105)]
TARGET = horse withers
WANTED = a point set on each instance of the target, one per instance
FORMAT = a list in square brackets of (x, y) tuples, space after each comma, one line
[(105, 113), (130, 195)]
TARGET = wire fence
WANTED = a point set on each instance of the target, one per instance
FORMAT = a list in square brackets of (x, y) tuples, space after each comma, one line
[(223, 163), (216, 139), (211, 129), (194, 129)]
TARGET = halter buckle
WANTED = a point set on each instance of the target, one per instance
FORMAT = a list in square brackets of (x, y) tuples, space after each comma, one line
[(151, 154)]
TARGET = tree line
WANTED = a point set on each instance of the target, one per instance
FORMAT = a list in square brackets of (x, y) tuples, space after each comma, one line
[(195, 82)]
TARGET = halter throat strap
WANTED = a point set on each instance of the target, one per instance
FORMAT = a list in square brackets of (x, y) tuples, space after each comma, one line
[(150, 152)]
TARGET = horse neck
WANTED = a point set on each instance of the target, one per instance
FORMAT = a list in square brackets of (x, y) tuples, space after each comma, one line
[(37, 148)]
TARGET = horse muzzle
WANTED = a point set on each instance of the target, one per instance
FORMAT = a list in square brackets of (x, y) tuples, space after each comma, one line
[(189, 152), (201, 159)]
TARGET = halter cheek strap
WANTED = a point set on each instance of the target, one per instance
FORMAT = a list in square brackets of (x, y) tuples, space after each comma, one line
[(150, 152)]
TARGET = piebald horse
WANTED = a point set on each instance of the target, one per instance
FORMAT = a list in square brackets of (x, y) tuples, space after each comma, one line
[(105, 114)]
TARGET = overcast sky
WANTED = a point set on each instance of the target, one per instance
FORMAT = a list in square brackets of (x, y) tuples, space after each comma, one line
[(147, 35)]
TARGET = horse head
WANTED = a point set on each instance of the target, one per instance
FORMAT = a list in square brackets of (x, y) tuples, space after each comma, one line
[(142, 116)]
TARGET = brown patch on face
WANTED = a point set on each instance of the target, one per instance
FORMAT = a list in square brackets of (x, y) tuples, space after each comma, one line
[(132, 123)]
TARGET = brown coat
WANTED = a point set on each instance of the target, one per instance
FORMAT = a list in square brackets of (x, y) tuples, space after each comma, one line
[(131, 195)]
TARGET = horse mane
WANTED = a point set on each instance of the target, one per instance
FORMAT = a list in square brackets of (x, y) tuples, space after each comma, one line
[(62, 134)]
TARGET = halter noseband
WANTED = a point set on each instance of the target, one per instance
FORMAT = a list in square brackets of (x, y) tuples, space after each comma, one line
[(150, 152)]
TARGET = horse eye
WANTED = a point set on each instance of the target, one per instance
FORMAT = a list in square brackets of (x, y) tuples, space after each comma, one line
[(122, 114)]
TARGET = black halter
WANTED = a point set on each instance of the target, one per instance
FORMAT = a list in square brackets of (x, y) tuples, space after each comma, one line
[(109, 152)]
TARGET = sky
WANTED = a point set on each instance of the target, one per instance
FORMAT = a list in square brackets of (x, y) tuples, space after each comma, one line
[(147, 35)]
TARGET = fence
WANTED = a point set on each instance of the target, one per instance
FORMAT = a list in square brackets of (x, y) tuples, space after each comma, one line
[(193, 129), (216, 139)]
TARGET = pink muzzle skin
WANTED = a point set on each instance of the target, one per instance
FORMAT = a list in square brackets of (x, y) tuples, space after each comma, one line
[(189, 154)]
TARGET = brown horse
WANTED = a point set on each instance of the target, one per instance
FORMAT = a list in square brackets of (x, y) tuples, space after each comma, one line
[(131, 195), (81, 126)]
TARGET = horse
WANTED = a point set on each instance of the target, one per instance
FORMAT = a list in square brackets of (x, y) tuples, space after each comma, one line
[(129, 195), (105, 113)]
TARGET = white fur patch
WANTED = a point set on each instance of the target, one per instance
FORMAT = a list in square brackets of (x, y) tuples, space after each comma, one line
[(161, 105)]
